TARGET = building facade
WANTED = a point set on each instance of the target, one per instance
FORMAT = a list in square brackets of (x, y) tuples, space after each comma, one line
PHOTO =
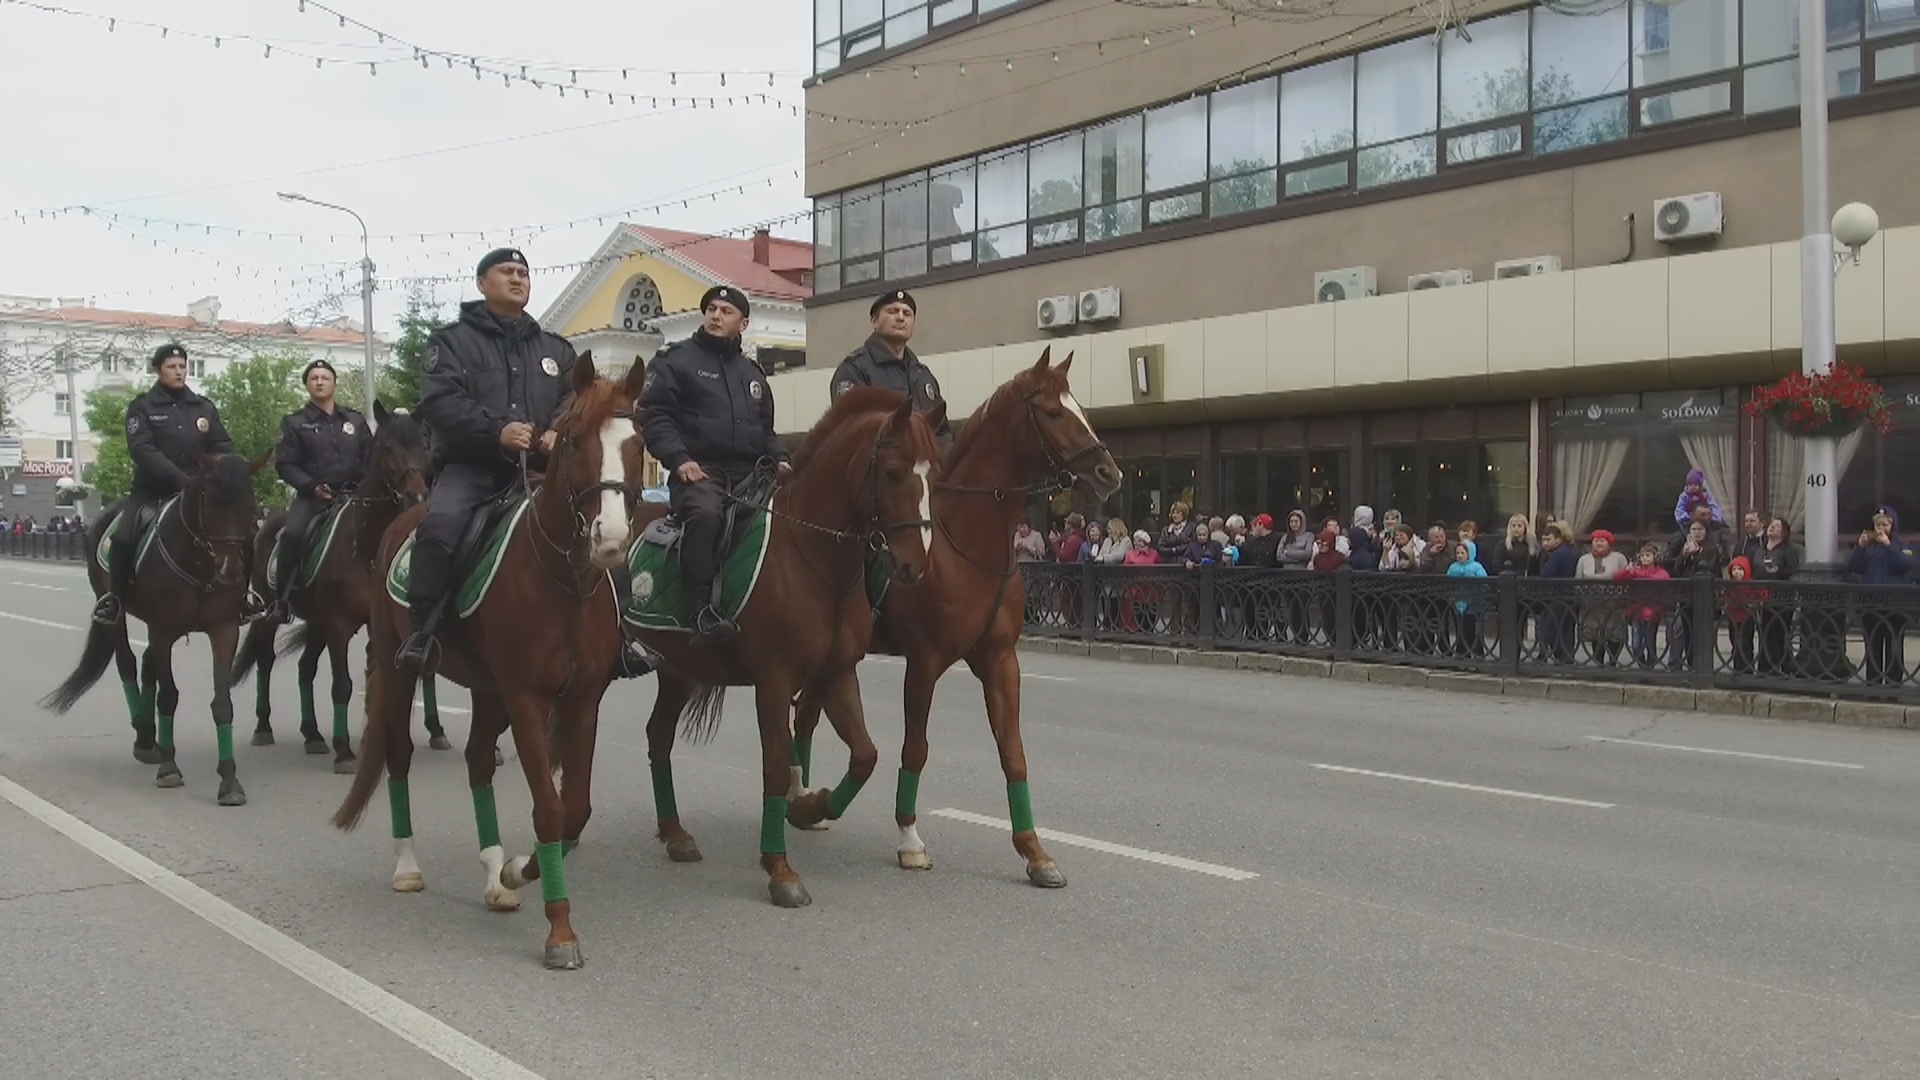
[(1532, 264)]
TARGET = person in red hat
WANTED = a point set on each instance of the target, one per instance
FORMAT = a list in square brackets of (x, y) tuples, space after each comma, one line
[(1261, 547)]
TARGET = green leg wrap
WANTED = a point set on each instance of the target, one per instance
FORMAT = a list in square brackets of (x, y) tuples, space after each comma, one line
[(664, 806), (340, 721), (553, 882), (402, 808), (773, 825), (132, 690), (802, 755), (308, 720), (485, 819), (1020, 802), (906, 794), (843, 794), (567, 846), (164, 737)]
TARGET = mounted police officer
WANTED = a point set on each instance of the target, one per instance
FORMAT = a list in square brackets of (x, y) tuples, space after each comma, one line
[(167, 428), (492, 385), (707, 414), (886, 361), (323, 454)]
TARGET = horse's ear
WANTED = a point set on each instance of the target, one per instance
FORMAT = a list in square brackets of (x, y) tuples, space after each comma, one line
[(583, 373), (636, 379), (1065, 364), (901, 416), (260, 462), (380, 413), (1046, 358)]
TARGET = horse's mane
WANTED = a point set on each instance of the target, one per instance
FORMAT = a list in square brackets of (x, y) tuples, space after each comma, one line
[(230, 482), (859, 400), (1017, 387)]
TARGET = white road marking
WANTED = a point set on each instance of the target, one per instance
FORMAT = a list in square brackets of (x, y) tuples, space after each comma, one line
[(1045, 678), (1466, 787), (459, 1051), (37, 585), (1024, 674), (36, 622), (1088, 842), (1727, 753)]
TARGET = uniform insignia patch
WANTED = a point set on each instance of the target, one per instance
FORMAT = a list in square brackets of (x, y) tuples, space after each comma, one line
[(754, 389), (931, 396), (547, 365), (842, 387), (133, 424), (201, 423), (347, 427), (646, 386), (432, 359)]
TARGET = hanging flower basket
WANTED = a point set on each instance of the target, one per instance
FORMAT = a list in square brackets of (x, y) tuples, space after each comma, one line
[(1827, 406)]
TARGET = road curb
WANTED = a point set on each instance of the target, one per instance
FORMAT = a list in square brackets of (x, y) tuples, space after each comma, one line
[(1805, 709)]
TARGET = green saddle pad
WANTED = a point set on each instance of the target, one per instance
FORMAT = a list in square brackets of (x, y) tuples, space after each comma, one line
[(104, 553), (660, 600), (318, 541), (472, 589)]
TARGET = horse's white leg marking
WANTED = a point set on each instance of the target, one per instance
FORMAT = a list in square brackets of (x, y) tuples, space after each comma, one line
[(514, 875), (406, 870), (496, 894), (913, 851)]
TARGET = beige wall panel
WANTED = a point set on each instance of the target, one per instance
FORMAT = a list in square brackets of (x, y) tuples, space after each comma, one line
[(1784, 259), (1106, 364), (1300, 347), (1183, 369), (1714, 301), (1370, 340), (799, 398), (1620, 314), (1902, 255), (1530, 323), (969, 380), (1447, 332), (1236, 355)]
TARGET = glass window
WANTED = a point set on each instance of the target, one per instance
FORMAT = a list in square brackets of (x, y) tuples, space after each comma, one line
[(1450, 483), (906, 211), (906, 27), (826, 230), (1576, 57), (1777, 85), (1678, 39), (1399, 88), (1896, 62), (1330, 176), (61, 402), (859, 14), (1176, 145), (1245, 125), (1240, 484), (1589, 123), (1892, 17), (860, 222), (63, 449), (1316, 114), (826, 20), (1688, 104), (1481, 145), (1003, 204), (994, 5), (1326, 485), (945, 11), (1284, 488), (951, 213), (1396, 477), (1174, 208), (1113, 177), (1501, 488), (1770, 29), (1486, 76), (826, 278), (1053, 176), (826, 57)]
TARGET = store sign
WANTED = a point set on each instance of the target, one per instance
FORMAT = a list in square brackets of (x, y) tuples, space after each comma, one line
[(46, 468), (1665, 409), (1595, 412)]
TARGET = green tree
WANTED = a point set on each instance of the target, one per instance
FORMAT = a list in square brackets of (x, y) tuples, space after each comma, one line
[(253, 396), (110, 474), (421, 318)]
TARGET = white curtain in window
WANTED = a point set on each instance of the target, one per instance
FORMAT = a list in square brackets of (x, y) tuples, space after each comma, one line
[(1712, 453), (1583, 474), (1786, 486)]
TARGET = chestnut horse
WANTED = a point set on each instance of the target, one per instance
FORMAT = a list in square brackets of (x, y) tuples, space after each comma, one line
[(334, 607), (863, 474), (971, 604), (537, 654), (196, 580)]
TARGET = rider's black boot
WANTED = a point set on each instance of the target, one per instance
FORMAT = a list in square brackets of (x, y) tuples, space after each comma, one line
[(630, 663), (426, 587), (112, 606)]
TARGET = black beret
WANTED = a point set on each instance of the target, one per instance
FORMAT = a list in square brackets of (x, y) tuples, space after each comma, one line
[(897, 296), (728, 293), (497, 256), (164, 353), (317, 364)]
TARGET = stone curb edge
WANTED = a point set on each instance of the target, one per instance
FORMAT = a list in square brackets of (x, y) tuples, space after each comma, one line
[(1672, 698)]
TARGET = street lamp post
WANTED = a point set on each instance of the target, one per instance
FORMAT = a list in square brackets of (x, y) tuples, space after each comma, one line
[(366, 289)]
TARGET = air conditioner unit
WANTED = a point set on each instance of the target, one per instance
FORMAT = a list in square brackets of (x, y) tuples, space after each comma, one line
[(1532, 266), (1439, 279), (1351, 283), (1058, 311), (1100, 305), (1688, 217)]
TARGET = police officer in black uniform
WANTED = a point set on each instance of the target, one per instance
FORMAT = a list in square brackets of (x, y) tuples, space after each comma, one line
[(324, 452), (492, 385), (166, 428), (886, 361), (707, 414)]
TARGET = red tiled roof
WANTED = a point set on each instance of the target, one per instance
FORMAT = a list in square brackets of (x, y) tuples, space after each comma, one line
[(319, 335), (729, 260)]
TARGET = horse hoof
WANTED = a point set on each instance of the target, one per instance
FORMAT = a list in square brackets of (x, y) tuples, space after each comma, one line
[(233, 797), (684, 851), (915, 860), (788, 894), (169, 780), (318, 746), (501, 900), (262, 738), (441, 742), (816, 826), (147, 755), (1047, 876), (409, 882), (565, 957), (346, 766), (499, 758)]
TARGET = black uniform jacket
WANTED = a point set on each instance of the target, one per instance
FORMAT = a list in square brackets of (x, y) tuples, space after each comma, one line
[(704, 401), (873, 365), (317, 448), (165, 430), (480, 374)]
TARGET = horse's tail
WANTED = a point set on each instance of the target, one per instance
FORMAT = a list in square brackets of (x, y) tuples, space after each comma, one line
[(255, 650), (94, 660), (373, 765), (297, 641), (700, 716)]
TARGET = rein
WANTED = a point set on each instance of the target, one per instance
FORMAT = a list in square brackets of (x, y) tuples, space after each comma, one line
[(877, 537), (205, 542)]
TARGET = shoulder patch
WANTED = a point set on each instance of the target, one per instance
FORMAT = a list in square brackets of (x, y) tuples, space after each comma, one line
[(133, 423), (842, 387), (432, 359)]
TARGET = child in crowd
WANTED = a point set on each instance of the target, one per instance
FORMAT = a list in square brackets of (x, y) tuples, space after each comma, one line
[(1643, 617), (1696, 494)]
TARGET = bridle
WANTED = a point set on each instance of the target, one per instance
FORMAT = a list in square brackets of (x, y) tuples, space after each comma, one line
[(876, 538), (576, 497), (206, 542), (1062, 473)]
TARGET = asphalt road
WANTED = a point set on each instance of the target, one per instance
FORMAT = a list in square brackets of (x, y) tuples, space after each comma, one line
[(1311, 879)]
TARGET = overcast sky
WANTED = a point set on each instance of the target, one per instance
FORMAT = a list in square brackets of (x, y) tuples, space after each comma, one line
[(177, 129)]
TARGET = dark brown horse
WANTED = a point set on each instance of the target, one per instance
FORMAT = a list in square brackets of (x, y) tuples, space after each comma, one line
[(1030, 436), (536, 654), (334, 606), (191, 577), (860, 483)]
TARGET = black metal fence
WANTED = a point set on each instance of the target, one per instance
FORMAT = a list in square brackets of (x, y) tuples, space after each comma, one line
[(1808, 638), (70, 547)]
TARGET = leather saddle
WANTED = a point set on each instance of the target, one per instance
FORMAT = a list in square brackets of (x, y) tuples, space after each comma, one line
[(473, 539)]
